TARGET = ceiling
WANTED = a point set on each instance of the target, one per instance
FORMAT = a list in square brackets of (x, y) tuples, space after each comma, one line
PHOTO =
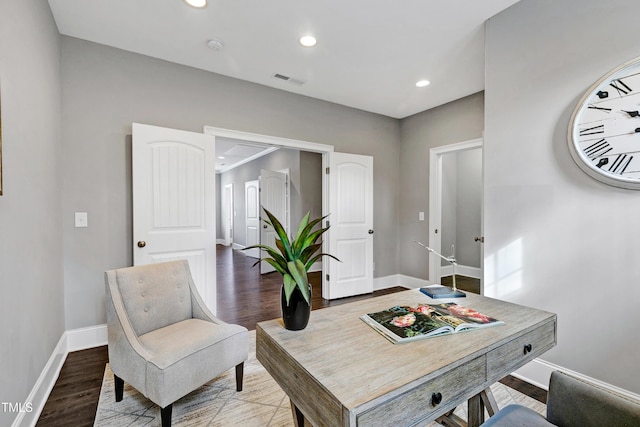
[(369, 54)]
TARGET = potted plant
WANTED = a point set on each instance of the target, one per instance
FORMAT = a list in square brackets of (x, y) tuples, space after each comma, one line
[(293, 258)]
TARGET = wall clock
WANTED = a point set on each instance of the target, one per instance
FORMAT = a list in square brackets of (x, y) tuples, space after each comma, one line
[(604, 130)]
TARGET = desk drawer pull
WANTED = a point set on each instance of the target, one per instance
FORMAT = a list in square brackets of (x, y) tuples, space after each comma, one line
[(436, 398), (527, 348)]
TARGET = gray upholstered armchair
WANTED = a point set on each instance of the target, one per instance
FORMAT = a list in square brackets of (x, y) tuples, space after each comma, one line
[(163, 340), (573, 402)]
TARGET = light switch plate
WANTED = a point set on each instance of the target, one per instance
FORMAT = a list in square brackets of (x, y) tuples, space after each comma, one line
[(82, 220), (420, 216)]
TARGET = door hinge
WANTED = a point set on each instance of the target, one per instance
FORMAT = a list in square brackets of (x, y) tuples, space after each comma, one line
[(327, 170), (327, 277), (328, 224)]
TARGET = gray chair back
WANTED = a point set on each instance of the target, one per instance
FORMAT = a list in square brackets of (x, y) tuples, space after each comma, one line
[(575, 403)]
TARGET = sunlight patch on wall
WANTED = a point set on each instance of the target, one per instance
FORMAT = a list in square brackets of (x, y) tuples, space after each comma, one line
[(503, 270)]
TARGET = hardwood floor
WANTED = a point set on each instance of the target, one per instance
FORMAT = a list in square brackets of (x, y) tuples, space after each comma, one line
[(244, 297)]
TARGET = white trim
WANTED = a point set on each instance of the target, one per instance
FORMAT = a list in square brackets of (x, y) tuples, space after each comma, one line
[(269, 140), (83, 338), (538, 372), (43, 386), (435, 199), (462, 270), (71, 340), (398, 280)]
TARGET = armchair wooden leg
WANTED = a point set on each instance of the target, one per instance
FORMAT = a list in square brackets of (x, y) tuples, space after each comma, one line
[(239, 376), (119, 386), (165, 415)]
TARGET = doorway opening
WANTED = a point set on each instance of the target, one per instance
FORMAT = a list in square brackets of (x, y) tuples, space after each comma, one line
[(296, 205), (455, 214)]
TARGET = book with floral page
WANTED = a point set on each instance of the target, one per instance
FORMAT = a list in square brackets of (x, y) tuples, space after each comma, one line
[(401, 324)]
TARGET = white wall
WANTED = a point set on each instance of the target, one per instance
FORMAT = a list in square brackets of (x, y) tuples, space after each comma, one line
[(31, 283), (555, 238)]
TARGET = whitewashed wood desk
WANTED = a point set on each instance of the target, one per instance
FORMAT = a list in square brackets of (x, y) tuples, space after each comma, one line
[(340, 372)]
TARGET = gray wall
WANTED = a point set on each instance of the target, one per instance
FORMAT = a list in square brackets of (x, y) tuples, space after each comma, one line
[(457, 121), (278, 160), (106, 89), (31, 281), (555, 238)]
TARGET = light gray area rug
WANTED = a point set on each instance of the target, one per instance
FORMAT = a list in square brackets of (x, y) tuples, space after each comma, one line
[(262, 403)]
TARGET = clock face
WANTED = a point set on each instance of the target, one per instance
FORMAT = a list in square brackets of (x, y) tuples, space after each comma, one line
[(604, 130)]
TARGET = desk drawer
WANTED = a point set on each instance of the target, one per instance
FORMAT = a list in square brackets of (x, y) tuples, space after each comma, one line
[(514, 354), (417, 403)]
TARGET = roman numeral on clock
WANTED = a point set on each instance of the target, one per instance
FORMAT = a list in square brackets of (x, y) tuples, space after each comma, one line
[(595, 107), (620, 164), (592, 130), (620, 86), (597, 149)]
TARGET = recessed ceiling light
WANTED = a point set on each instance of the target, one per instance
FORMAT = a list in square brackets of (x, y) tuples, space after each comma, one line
[(308, 41), (197, 3), (423, 83)]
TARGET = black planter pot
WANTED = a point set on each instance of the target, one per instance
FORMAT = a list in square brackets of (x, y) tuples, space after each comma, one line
[(296, 314)]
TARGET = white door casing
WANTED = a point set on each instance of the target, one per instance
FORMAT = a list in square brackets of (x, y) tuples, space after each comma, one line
[(273, 197), (173, 174), (351, 219), (435, 207), (227, 214), (329, 267), (252, 216)]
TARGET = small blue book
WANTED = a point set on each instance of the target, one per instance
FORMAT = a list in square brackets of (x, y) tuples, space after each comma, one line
[(442, 292)]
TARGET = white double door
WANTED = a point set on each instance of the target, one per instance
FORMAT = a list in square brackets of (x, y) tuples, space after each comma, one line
[(174, 210)]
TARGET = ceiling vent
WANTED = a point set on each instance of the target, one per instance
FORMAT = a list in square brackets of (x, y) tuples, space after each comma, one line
[(288, 79)]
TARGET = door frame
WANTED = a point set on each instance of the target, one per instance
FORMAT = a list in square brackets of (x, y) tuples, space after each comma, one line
[(297, 144), (435, 205), (227, 210)]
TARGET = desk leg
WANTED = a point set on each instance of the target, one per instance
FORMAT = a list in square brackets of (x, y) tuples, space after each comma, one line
[(477, 405), (298, 417), (475, 411), (489, 402)]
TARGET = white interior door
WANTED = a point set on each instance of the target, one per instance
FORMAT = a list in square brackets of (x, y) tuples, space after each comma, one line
[(273, 197), (227, 211), (351, 220), (174, 202), (252, 216)]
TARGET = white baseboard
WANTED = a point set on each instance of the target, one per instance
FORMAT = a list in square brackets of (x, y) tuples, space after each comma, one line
[(43, 386), (72, 340), (408, 282), (462, 270), (538, 372), (83, 338)]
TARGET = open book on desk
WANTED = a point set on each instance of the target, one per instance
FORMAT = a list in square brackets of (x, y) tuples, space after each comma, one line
[(402, 324)]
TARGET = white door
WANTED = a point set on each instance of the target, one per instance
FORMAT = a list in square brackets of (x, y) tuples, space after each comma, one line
[(273, 197), (252, 216), (351, 219), (227, 213), (174, 202)]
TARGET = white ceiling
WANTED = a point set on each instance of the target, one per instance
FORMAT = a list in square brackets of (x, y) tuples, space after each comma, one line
[(369, 55)]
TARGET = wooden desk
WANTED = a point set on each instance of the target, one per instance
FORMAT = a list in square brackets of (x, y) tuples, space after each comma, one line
[(340, 372)]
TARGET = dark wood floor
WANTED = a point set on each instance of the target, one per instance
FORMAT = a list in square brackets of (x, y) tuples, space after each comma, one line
[(244, 297)]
